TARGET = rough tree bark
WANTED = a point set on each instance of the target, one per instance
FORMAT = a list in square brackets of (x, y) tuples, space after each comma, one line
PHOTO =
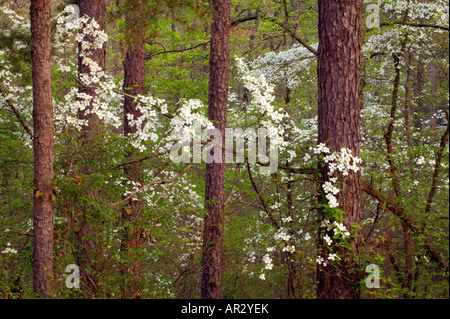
[(86, 251), (43, 147), (215, 172), (134, 84), (339, 69)]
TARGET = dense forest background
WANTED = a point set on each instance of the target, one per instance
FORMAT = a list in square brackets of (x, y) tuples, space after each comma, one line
[(133, 220)]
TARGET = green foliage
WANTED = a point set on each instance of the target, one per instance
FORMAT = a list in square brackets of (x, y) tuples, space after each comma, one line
[(265, 216)]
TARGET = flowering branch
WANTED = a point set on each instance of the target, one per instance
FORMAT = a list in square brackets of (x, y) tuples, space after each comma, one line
[(417, 25), (143, 188), (17, 113)]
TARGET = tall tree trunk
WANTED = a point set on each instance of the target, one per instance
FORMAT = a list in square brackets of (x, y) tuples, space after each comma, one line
[(42, 146), (408, 102), (433, 102), (215, 172), (86, 250), (419, 90), (95, 9), (339, 69), (134, 84)]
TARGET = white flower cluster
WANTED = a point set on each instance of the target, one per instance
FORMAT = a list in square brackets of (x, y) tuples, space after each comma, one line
[(388, 40), (282, 235), (263, 97), (328, 240), (268, 262), (284, 66), (105, 101), (18, 22), (307, 236), (321, 261), (187, 124), (275, 206), (338, 228), (147, 123), (328, 187), (343, 162), (333, 257), (9, 250), (341, 230), (321, 149), (19, 96), (289, 248), (287, 219), (436, 10)]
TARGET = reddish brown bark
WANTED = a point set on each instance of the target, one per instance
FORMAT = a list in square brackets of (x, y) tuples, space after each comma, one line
[(95, 9), (339, 68), (215, 172), (43, 147), (86, 250), (134, 84)]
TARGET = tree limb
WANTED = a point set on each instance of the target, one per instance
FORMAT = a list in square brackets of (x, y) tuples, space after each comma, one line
[(17, 113), (417, 25), (151, 55), (399, 211), (437, 166), (282, 25), (263, 202)]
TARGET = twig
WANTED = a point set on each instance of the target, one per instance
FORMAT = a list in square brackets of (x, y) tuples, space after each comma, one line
[(151, 55)]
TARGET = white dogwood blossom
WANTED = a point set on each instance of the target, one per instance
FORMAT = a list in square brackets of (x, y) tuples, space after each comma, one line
[(9, 249), (343, 162), (321, 261), (284, 66)]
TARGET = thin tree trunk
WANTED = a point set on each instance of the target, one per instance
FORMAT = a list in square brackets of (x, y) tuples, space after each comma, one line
[(339, 71), (215, 172), (43, 147), (433, 102), (134, 84), (419, 88), (408, 102), (408, 261)]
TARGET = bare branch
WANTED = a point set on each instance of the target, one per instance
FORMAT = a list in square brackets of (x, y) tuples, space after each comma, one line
[(151, 55), (282, 25)]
